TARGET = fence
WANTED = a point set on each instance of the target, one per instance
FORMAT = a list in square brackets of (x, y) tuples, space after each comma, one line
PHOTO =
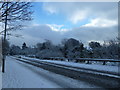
[(83, 59), (100, 60)]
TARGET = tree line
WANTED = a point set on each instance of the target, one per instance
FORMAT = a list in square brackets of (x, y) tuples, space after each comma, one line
[(69, 48)]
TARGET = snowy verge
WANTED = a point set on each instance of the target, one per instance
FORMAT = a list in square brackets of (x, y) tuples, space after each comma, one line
[(111, 69)]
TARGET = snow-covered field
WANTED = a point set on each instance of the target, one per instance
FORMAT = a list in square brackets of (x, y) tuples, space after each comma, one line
[(107, 68), (21, 75)]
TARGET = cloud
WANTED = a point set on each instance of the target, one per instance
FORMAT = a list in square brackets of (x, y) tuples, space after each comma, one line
[(50, 10), (57, 28), (38, 33), (78, 16), (96, 33), (1, 27), (101, 22), (76, 12)]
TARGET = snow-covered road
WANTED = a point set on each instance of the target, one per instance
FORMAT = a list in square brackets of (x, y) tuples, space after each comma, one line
[(95, 77), (21, 75)]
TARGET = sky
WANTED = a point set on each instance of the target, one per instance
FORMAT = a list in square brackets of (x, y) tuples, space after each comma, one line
[(84, 21)]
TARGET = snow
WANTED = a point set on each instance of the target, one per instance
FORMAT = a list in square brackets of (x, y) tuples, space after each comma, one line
[(95, 59), (21, 75), (106, 68), (18, 77), (88, 66), (111, 69)]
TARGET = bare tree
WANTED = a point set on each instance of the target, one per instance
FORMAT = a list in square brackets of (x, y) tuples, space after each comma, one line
[(16, 13), (12, 14)]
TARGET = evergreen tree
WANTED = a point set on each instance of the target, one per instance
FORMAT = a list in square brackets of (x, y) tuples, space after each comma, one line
[(24, 46)]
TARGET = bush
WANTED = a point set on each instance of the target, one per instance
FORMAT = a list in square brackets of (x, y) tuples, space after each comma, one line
[(49, 53)]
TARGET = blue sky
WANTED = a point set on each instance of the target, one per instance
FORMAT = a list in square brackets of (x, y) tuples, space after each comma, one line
[(84, 21), (43, 17)]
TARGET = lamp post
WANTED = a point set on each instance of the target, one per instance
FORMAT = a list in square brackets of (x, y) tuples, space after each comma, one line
[(4, 40)]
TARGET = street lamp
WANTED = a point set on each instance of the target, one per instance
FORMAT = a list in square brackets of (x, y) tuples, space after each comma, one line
[(4, 40)]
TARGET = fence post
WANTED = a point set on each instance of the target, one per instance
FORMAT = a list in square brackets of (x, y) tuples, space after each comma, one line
[(88, 62), (104, 63)]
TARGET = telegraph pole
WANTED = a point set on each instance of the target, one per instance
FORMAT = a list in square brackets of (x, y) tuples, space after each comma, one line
[(4, 40)]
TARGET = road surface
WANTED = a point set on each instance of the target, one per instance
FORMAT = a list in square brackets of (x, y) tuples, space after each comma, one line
[(63, 76)]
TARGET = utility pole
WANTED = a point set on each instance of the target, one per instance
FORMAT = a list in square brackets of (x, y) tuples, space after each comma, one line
[(4, 40)]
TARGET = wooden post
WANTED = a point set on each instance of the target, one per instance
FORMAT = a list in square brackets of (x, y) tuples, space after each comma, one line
[(104, 63)]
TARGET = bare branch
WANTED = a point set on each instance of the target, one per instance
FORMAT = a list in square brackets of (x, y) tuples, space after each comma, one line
[(16, 12)]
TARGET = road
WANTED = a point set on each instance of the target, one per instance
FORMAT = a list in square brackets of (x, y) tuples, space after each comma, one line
[(88, 76), (23, 75)]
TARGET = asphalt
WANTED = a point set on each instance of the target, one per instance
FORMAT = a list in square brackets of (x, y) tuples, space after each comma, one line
[(92, 78)]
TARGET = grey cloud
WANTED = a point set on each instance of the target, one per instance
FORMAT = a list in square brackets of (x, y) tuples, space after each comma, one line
[(95, 33), (36, 34)]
